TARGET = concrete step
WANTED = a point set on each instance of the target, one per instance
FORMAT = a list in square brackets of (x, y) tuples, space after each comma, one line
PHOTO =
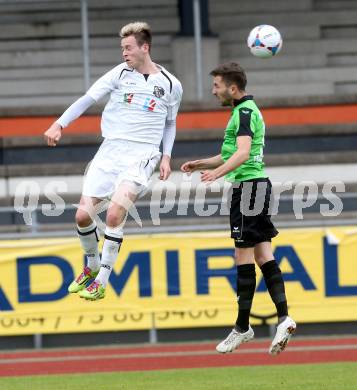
[(106, 56), (51, 72), (16, 7), (134, 12), (229, 7), (43, 170), (21, 102), (333, 4), (294, 47), (291, 90), (298, 159), (342, 59), (283, 61), (73, 43), (46, 86), (298, 76), (346, 87), (107, 27), (277, 19), (334, 32), (43, 87), (16, 74)]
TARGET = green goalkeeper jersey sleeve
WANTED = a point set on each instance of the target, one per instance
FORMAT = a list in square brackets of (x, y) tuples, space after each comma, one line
[(246, 119)]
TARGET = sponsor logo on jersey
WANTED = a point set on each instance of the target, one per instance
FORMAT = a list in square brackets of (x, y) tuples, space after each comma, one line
[(158, 91), (149, 104), (128, 97)]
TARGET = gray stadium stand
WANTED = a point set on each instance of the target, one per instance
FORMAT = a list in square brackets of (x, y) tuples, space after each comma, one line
[(319, 53), (41, 47), (41, 55)]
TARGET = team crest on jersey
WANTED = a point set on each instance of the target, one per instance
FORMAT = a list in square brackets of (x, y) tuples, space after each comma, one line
[(158, 91)]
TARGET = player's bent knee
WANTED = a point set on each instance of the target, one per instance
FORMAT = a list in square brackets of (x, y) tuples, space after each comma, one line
[(82, 218), (116, 218)]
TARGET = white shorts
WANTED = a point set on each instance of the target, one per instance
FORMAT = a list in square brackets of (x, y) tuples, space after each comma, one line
[(120, 160)]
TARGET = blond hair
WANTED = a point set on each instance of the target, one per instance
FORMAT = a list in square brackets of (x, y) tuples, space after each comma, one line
[(140, 30)]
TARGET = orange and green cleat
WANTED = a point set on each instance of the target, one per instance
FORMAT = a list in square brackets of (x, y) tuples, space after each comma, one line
[(93, 292), (81, 282)]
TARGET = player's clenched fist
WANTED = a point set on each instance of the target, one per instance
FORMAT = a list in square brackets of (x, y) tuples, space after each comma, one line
[(53, 134)]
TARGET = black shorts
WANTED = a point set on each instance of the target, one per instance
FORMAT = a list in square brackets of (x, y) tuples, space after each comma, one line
[(249, 213)]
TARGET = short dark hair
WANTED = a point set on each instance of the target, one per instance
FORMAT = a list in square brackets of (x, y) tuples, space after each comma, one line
[(140, 30), (231, 73)]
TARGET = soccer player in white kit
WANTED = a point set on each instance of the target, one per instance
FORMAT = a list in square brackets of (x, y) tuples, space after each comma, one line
[(140, 114)]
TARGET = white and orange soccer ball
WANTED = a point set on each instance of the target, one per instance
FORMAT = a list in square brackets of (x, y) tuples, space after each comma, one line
[(264, 41)]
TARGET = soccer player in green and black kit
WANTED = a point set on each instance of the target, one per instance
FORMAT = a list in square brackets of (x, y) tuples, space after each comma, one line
[(241, 162)]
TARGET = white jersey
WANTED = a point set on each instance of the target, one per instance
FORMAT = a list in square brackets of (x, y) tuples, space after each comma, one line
[(139, 104)]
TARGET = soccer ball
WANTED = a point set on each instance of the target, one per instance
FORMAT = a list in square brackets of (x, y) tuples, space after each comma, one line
[(264, 41)]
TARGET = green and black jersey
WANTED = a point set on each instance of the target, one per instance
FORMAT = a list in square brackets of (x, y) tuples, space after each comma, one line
[(246, 119)]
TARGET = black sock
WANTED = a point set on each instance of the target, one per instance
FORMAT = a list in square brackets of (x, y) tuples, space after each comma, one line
[(275, 284), (245, 293)]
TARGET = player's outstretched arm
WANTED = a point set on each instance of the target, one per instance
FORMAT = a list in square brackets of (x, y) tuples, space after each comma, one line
[(237, 159), (207, 163), (54, 133)]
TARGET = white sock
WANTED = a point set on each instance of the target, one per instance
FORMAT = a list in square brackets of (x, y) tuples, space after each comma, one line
[(89, 238), (110, 252)]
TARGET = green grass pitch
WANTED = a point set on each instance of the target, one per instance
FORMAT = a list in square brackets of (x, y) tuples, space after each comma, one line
[(306, 377)]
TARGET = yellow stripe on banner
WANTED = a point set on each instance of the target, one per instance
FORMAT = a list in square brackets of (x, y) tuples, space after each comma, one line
[(175, 280)]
